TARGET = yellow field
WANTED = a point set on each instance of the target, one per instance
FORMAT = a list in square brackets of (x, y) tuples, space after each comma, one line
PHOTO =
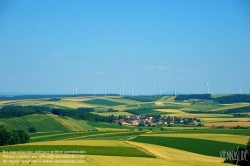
[(111, 129), (166, 156), (226, 119), (67, 123), (170, 111), (177, 157), (113, 113), (228, 124), (203, 116), (230, 106), (77, 99), (176, 103), (239, 139), (159, 104), (82, 143)]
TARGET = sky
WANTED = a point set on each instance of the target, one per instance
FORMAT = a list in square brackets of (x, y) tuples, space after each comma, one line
[(47, 47)]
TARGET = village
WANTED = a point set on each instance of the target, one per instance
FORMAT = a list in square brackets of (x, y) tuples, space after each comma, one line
[(139, 120)]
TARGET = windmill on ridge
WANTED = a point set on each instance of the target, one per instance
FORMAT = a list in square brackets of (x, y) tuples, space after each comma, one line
[(159, 85), (207, 87)]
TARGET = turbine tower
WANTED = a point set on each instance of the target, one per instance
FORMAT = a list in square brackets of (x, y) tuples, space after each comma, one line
[(159, 89), (207, 87), (76, 91)]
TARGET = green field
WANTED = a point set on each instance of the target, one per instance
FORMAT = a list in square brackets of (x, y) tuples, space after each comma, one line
[(205, 147), (103, 102), (39, 121), (90, 150)]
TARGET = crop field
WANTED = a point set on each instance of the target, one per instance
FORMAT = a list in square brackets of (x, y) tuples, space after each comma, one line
[(209, 131), (225, 119), (103, 102), (89, 150), (204, 147), (111, 136), (66, 135), (39, 121), (113, 113), (238, 139), (107, 125), (81, 143), (72, 124), (170, 111), (229, 124), (181, 157)]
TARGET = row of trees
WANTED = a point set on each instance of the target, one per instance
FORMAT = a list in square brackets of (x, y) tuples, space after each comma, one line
[(77, 114), (194, 96), (18, 111), (10, 137), (233, 99)]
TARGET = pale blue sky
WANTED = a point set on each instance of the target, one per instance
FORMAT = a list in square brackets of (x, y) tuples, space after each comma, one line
[(50, 46)]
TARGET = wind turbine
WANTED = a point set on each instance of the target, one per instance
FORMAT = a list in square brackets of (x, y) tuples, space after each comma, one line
[(76, 91), (159, 89), (207, 87)]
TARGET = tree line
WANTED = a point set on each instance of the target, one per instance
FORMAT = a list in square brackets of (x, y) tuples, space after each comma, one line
[(233, 99), (194, 96), (11, 137), (78, 114), (18, 111)]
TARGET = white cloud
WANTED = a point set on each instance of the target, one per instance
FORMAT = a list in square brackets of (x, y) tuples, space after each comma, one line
[(159, 68)]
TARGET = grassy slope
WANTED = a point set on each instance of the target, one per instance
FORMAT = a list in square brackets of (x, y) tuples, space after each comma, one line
[(42, 123)]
